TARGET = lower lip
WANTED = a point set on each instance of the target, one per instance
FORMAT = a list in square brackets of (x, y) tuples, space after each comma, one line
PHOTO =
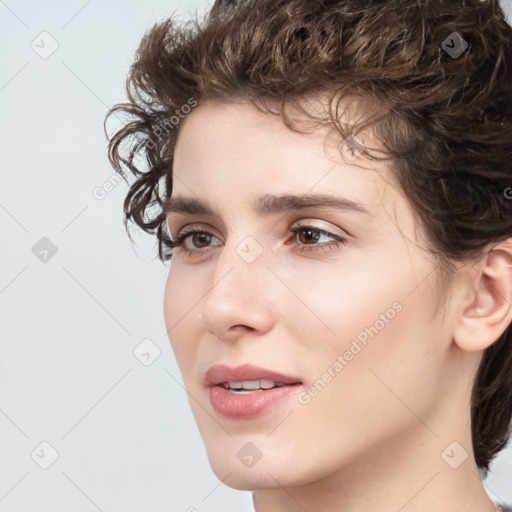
[(249, 405)]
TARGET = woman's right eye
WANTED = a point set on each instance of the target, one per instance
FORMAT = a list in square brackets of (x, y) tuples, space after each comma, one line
[(198, 237)]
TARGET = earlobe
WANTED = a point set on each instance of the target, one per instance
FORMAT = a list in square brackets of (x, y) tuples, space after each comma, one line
[(485, 319)]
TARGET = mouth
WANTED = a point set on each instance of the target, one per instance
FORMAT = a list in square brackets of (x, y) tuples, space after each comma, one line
[(248, 391)]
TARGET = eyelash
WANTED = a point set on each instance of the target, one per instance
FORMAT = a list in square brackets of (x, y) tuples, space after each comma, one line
[(339, 240)]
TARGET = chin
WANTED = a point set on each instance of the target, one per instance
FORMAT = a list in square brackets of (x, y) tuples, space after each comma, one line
[(247, 481), (275, 470)]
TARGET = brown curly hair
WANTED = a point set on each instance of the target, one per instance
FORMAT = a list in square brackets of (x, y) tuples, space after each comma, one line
[(445, 120)]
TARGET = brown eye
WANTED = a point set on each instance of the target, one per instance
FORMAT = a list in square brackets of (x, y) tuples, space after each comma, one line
[(307, 238), (309, 235), (200, 241), (200, 238)]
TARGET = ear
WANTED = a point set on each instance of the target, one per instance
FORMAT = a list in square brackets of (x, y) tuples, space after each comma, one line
[(489, 313)]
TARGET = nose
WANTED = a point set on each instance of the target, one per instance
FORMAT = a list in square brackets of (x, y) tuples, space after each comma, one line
[(238, 301)]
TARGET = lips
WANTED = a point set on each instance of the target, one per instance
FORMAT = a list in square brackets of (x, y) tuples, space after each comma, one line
[(258, 396), (221, 373)]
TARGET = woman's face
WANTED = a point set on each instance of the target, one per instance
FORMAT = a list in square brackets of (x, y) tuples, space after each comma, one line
[(347, 318)]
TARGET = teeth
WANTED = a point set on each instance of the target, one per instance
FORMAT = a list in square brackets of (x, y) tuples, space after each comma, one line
[(250, 384)]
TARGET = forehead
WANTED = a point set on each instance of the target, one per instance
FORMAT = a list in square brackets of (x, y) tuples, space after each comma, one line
[(239, 136), (236, 151), (239, 129)]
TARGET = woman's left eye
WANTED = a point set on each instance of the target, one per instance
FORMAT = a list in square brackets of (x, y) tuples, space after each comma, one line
[(309, 237), (312, 234)]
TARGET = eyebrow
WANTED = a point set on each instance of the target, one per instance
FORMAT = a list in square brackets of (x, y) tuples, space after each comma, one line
[(267, 204)]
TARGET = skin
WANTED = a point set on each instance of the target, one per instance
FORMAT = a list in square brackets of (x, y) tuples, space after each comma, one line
[(373, 437)]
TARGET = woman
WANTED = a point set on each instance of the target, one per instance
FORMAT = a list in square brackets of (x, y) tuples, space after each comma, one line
[(337, 208)]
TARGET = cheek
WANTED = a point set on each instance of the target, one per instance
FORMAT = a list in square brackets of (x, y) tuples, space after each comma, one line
[(375, 317), (181, 316), (359, 296), (390, 347), (329, 305)]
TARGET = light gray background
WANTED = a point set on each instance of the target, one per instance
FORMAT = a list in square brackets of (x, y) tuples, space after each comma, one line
[(125, 437)]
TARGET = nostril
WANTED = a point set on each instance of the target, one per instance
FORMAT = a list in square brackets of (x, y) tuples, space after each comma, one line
[(242, 326)]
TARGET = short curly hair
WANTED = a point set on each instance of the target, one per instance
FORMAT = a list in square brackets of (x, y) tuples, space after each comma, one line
[(444, 119)]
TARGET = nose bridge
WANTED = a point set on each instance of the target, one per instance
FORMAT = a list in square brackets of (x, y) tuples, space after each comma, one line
[(235, 294), (243, 259)]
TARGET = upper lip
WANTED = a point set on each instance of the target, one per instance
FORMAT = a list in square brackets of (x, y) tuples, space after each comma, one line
[(220, 373)]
